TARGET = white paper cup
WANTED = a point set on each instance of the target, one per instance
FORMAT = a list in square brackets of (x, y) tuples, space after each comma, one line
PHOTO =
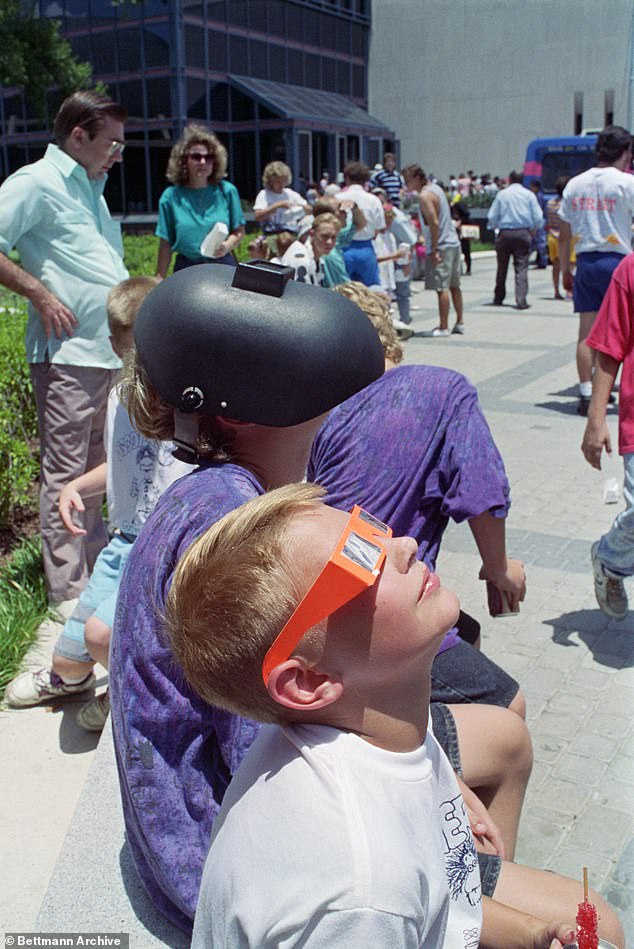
[(214, 239)]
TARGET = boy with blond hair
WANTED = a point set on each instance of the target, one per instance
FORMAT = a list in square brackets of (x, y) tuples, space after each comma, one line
[(321, 622), (134, 476)]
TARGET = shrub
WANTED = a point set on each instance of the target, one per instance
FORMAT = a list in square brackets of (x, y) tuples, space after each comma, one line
[(18, 417)]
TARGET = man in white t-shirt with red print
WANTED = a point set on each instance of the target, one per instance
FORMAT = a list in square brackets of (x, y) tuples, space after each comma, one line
[(596, 211)]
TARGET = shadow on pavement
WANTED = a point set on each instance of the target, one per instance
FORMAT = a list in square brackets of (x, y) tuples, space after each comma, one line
[(564, 408), (144, 909), (610, 643)]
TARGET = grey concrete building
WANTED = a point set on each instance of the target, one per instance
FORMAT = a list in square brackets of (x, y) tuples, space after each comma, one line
[(468, 83)]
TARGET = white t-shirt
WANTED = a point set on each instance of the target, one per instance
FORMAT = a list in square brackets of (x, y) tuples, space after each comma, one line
[(599, 204), (325, 840), (301, 258), (282, 218), (138, 472), (372, 210), (385, 244)]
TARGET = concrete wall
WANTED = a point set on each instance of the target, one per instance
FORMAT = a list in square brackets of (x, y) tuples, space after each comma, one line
[(468, 83)]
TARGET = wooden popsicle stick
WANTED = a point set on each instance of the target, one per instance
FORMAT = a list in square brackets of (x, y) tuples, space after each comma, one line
[(585, 884)]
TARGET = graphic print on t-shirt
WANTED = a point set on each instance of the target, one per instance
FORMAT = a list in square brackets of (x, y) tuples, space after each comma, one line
[(461, 859)]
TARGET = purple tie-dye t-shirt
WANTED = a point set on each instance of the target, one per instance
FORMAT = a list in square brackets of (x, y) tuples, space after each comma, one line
[(413, 448), (175, 754)]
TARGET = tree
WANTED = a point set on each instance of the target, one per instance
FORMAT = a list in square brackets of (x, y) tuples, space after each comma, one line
[(34, 55)]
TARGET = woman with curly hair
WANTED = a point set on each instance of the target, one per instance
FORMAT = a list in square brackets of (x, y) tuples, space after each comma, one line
[(197, 199)]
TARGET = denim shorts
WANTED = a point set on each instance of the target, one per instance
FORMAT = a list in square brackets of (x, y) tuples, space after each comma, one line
[(592, 277), (464, 674), (446, 735), (98, 598), (490, 865)]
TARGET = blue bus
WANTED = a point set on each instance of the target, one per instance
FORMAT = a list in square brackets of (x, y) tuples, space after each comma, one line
[(548, 158)]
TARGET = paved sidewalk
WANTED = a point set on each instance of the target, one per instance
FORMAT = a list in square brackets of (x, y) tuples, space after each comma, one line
[(575, 666)]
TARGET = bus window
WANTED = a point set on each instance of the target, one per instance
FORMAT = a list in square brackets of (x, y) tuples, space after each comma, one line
[(549, 158)]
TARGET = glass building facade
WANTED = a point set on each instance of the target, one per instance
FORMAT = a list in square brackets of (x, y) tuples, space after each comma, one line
[(275, 79)]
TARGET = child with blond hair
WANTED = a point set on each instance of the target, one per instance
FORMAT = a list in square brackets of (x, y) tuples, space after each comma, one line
[(134, 476), (344, 825)]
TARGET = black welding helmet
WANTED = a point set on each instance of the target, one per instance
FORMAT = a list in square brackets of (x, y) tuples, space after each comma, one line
[(248, 343)]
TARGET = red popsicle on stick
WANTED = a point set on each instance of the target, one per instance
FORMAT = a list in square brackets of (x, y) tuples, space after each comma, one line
[(587, 920)]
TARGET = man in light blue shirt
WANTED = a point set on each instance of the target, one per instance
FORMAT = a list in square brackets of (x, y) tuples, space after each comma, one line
[(516, 214), (54, 213)]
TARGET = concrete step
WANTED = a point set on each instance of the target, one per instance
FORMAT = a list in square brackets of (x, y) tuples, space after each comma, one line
[(94, 886)]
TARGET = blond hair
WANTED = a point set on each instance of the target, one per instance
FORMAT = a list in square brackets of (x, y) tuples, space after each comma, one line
[(154, 418), (232, 592), (378, 313), (124, 301), (327, 217), (177, 173), (276, 169)]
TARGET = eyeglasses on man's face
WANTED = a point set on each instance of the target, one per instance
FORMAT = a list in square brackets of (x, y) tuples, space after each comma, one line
[(116, 148)]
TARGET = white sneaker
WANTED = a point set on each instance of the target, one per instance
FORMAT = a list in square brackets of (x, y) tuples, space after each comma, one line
[(459, 329), (608, 589), (400, 325), (435, 332), (32, 688)]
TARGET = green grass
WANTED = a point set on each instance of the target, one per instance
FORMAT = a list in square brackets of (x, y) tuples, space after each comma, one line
[(23, 605)]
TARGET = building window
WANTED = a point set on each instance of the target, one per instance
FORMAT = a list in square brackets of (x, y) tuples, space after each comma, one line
[(313, 71), (131, 98), (129, 43), (578, 120), (219, 102), (238, 56), (295, 67), (343, 78), (195, 46), (242, 108), (259, 60), (328, 76), (156, 37), (217, 51), (609, 107), (196, 99), (159, 99)]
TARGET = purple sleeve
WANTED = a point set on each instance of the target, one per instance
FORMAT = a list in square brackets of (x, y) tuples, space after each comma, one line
[(175, 754), (471, 470)]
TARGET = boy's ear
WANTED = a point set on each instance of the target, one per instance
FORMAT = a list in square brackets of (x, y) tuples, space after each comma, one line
[(295, 685)]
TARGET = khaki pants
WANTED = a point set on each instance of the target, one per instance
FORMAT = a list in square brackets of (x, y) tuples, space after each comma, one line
[(71, 411)]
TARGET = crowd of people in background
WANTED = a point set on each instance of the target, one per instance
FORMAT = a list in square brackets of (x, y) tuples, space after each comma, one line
[(245, 598)]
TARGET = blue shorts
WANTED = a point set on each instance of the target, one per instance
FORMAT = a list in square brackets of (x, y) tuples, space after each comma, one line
[(464, 674), (592, 277), (361, 264), (98, 598), (446, 735)]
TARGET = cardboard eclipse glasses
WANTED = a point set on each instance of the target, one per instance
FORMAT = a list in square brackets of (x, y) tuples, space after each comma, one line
[(353, 566)]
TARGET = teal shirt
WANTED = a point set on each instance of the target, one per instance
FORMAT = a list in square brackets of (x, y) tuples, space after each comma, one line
[(58, 220), (333, 265), (186, 215)]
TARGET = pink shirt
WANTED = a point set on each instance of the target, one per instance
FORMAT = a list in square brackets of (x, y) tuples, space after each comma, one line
[(613, 334)]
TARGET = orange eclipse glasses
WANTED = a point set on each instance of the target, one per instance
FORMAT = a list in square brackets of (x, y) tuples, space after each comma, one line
[(353, 566)]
